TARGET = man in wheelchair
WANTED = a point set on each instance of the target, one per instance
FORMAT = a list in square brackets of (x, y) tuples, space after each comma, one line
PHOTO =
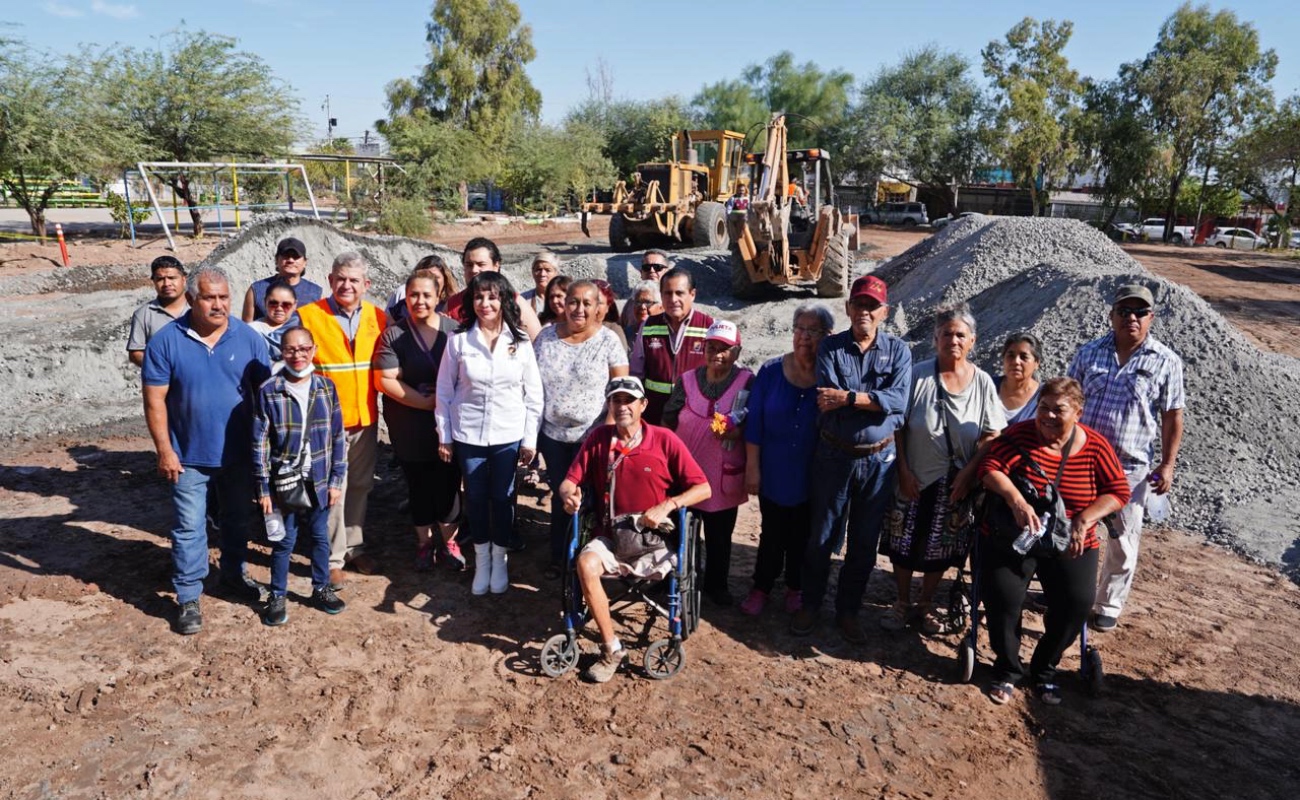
[(639, 475)]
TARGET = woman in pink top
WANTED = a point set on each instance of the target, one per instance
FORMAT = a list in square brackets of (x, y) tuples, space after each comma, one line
[(707, 409)]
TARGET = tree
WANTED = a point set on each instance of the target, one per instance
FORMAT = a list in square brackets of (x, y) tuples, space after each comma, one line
[(1038, 110), (1264, 163), (814, 101), (548, 166), (634, 131), (440, 159), (54, 126), (1204, 77), (475, 79), (197, 98), (919, 122), (1116, 141)]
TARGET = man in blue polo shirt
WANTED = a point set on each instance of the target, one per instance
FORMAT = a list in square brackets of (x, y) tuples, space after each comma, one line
[(864, 377), (200, 376)]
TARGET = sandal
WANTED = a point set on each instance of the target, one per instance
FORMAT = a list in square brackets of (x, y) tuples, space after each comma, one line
[(895, 619), (933, 621), (1049, 693), (1001, 693)]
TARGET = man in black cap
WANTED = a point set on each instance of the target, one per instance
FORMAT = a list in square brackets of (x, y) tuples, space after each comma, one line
[(291, 265), (1133, 392)]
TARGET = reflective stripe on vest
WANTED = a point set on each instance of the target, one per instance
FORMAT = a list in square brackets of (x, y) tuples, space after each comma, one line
[(658, 386)]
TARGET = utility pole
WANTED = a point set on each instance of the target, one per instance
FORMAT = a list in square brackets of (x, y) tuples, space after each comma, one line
[(330, 122)]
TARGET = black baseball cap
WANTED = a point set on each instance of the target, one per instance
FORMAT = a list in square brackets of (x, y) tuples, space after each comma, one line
[(291, 244)]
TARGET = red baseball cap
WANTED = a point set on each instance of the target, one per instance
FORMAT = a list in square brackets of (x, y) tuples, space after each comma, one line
[(870, 286)]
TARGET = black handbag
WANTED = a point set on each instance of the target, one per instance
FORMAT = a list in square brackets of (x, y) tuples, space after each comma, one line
[(1001, 521), (290, 487)]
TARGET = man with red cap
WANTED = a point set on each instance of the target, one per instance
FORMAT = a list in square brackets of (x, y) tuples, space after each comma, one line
[(864, 377)]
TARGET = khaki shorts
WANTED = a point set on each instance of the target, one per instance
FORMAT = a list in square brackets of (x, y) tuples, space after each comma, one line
[(648, 565)]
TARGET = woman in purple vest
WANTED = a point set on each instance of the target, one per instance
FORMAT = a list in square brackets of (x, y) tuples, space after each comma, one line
[(707, 409)]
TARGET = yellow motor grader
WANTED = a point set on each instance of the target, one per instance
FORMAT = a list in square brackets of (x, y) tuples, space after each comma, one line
[(680, 200)]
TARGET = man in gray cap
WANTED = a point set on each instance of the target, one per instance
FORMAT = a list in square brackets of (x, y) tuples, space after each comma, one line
[(1133, 391)]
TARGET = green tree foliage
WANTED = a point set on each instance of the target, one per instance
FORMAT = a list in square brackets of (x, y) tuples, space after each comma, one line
[(328, 176), (439, 159), (54, 126), (814, 101), (1116, 142), (920, 122), (633, 131), (1264, 162), (1204, 77), (548, 167), (198, 98), (1037, 94), (475, 80)]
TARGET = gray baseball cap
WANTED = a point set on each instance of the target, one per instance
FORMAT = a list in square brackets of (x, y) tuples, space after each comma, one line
[(1134, 291)]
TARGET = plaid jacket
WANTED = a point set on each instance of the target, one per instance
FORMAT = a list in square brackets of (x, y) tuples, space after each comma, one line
[(277, 435)]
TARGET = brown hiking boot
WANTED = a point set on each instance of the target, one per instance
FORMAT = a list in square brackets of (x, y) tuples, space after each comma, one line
[(605, 669)]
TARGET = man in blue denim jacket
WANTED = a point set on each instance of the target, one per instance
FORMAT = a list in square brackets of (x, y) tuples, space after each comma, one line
[(864, 377)]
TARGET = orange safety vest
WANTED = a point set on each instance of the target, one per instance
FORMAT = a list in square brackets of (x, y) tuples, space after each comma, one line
[(346, 363)]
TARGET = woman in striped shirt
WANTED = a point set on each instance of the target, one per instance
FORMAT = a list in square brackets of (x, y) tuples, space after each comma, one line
[(1092, 485)]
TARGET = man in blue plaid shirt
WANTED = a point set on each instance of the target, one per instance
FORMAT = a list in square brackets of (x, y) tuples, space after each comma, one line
[(1133, 387)]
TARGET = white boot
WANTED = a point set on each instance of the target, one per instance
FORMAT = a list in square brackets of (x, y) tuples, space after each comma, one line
[(482, 568), (500, 577)]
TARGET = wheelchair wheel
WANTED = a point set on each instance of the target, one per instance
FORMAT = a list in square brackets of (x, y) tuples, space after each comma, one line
[(559, 654), (664, 659), (1092, 671), (966, 659)]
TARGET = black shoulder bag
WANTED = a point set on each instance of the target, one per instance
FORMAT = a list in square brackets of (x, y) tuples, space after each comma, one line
[(961, 515), (1002, 523)]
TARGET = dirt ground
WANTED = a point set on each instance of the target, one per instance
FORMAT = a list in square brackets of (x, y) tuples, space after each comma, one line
[(419, 690)]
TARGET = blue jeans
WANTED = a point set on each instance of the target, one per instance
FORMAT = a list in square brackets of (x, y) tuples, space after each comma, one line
[(317, 525), (558, 457), (858, 489), (234, 487), (489, 472)]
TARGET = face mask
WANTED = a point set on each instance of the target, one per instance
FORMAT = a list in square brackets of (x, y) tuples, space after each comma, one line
[(302, 373)]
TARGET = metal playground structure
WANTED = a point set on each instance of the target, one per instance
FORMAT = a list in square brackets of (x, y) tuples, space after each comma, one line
[(216, 172)]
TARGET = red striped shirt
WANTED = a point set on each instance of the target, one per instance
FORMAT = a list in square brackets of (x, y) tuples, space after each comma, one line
[(1089, 473)]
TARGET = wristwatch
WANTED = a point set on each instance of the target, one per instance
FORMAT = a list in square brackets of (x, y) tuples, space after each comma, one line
[(851, 398)]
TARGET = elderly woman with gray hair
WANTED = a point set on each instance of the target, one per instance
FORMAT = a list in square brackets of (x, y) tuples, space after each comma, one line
[(643, 303), (546, 265), (780, 437), (952, 412)]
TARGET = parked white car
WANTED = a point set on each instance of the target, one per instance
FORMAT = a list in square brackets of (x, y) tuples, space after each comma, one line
[(1236, 239), (1153, 230)]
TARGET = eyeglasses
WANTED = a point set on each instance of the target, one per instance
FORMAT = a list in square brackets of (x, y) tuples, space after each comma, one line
[(646, 303), (653, 267), (298, 351), (811, 333), (280, 304), (1137, 313)]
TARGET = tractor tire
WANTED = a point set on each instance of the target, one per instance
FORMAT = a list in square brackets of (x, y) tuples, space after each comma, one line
[(619, 241), (837, 267), (711, 226), (741, 286)]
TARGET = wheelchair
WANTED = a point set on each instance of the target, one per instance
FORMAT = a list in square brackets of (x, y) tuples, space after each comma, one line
[(675, 599)]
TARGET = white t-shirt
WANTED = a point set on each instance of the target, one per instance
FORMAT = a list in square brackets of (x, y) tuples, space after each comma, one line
[(574, 378), (301, 394), (972, 412)]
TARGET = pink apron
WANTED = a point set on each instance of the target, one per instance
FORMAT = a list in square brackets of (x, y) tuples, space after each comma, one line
[(724, 468)]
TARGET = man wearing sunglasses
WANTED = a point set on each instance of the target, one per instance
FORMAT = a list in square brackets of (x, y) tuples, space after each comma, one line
[(1133, 391)]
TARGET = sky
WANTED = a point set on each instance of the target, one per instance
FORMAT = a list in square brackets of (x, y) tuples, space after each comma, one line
[(348, 51)]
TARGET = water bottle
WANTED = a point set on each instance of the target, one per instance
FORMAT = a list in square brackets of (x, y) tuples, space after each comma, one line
[(274, 525), (1157, 505), (1029, 537)]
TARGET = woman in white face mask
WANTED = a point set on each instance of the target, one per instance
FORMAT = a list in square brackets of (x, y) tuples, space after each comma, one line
[(298, 430)]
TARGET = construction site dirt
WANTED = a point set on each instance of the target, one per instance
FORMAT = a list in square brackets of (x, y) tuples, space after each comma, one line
[(420, 690)]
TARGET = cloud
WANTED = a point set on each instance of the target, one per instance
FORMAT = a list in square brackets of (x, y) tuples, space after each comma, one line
[(60, 10), (113, 9)]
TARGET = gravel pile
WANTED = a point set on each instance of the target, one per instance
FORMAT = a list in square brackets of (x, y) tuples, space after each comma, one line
[(1055, 278)]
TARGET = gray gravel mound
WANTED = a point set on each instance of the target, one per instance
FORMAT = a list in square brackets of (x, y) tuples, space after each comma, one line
[(1055, 278)]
